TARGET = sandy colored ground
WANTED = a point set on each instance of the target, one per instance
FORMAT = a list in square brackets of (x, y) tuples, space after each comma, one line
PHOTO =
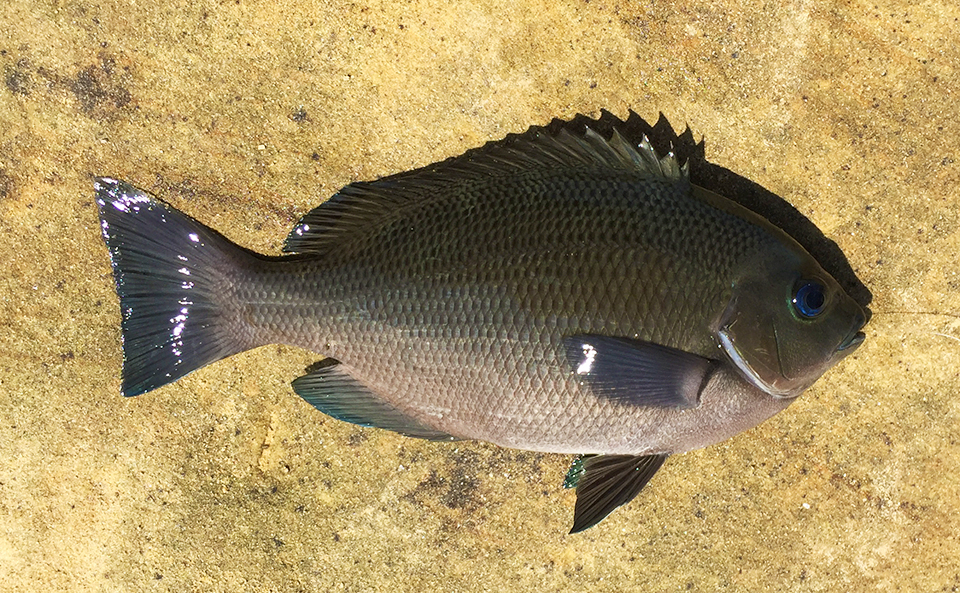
[(248, 113)]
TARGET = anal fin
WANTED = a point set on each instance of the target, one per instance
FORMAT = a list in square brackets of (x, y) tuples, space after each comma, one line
[(331, 389)]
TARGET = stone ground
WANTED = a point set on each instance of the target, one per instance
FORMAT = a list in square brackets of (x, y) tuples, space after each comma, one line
[(246, 114)]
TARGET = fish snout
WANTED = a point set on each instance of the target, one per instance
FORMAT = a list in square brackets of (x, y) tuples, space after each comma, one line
[(855, 337)]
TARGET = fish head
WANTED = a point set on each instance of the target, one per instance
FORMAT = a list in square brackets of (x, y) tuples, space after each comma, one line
[(787, 321)]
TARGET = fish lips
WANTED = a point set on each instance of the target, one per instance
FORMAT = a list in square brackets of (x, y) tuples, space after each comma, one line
[(853, 340)]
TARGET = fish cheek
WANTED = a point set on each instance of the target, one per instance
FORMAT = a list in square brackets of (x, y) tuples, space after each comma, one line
[(748, 335)]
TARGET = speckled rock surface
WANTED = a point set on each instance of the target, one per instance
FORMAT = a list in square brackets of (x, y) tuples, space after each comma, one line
[(247, 114)]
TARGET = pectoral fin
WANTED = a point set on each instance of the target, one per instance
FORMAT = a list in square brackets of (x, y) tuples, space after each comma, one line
[(331, 389), (638, 372), (605, 482)]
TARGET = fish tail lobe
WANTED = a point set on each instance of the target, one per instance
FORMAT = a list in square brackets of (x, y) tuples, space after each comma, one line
[(174, 277)]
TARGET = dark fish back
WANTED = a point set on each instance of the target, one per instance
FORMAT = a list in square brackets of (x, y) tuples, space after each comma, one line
[(567, 228)]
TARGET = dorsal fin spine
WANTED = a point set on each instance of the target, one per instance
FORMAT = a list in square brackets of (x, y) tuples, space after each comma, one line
[(362, 204)]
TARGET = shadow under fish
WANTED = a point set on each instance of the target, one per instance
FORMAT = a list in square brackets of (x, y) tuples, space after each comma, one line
[(564, 290)]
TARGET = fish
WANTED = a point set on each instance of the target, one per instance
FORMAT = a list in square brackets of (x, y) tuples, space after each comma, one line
[(559, 291)]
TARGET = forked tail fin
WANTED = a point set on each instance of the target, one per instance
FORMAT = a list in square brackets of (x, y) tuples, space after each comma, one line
[(173, 276)]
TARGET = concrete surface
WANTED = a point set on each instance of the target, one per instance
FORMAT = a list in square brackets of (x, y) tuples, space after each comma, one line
[(248, 113)]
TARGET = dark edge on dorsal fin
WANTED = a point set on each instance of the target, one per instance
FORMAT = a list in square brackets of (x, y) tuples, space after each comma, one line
[(360, 205), (609, 481), (328, 387)]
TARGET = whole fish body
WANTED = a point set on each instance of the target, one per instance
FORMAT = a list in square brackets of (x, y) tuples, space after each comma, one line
[(558, 292)]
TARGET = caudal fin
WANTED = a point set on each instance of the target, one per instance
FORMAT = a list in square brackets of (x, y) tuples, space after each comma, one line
[(173, 276)]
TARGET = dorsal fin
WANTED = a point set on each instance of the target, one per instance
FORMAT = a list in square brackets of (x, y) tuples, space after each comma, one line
[(362, 204)]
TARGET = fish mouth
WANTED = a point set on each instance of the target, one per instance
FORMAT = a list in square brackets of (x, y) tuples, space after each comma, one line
[(851, 341), (856, 336)]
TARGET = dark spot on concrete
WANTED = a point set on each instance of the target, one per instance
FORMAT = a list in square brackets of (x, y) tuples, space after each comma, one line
[(431, 486), (17, 79), (462, 492), (6, 186), (107, 64), (183, 187), (463, 483), (87, 89), (528, 459), (300, 115), (458, 486), (91, 91)]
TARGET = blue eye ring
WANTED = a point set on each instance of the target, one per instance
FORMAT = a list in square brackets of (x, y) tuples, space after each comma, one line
[(809, 298)]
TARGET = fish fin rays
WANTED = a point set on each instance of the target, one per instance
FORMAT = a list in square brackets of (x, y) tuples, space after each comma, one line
[(170, 272), (575, 472), (361, 205), (330, 388), (637, 372), (605, 482)]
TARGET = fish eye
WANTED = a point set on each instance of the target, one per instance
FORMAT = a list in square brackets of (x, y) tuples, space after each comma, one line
[(809, 298)]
